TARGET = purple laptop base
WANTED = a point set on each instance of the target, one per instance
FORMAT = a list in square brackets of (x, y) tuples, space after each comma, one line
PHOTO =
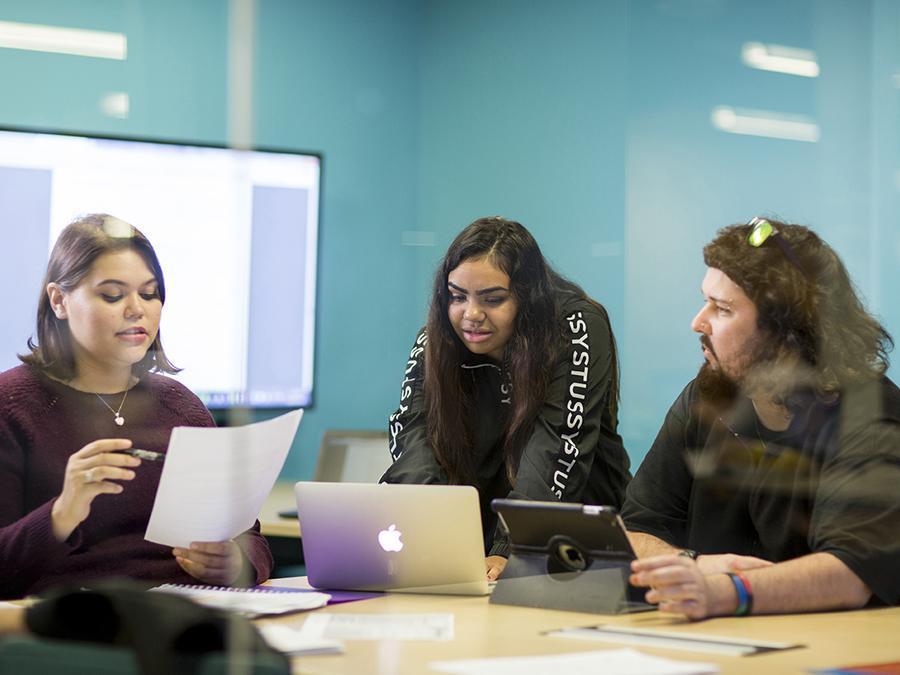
[(337, 597)]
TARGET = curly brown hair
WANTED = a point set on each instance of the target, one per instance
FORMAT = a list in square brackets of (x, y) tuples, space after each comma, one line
[(807, 305)]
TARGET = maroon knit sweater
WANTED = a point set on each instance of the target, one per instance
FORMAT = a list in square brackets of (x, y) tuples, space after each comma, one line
[(42, 422)]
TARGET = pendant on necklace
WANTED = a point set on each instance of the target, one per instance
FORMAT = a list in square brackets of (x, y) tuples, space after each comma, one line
[(117, 417)]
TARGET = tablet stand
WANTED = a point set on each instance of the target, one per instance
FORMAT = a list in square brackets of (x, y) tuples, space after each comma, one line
[(565, 576)]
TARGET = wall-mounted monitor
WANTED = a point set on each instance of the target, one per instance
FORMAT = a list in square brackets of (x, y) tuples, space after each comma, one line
[(236, 233)]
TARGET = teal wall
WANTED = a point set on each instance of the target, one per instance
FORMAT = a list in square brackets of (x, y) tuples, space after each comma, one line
[(174, 72), (523, 115), (337, 77), (685, 179), (342, 77), (588, 121)]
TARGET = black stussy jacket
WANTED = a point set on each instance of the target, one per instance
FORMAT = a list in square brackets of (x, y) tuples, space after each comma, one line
[(574, 453)]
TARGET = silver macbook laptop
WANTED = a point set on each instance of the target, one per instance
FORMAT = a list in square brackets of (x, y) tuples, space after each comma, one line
[(406, 538)]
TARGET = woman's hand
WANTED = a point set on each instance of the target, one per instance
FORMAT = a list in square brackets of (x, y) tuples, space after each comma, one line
[(218, 563), (495, 565), (90, 472), (677, 584)]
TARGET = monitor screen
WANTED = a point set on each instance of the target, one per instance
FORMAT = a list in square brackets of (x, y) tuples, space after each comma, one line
[(235, 232)]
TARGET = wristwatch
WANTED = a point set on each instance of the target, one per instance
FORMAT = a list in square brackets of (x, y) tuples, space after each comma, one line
[(689, 553)]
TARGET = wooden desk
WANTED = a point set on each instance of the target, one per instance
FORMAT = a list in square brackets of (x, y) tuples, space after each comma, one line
[(484, 630), (280, 499)]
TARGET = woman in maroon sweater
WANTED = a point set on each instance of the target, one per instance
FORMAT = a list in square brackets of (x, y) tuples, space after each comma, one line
[(73, 507)]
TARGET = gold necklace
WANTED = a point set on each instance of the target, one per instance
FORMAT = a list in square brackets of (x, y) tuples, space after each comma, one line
[(118, 419)]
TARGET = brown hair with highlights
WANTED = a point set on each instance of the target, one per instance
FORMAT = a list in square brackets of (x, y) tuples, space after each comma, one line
[(78, 246)]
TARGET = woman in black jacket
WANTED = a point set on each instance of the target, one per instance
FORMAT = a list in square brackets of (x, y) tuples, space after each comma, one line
[(512, 386)]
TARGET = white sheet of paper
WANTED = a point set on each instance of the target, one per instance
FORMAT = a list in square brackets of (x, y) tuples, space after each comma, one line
[(608, 662), (291, 641), (215, 480), (651, 637), (379, 626), (250, 602)]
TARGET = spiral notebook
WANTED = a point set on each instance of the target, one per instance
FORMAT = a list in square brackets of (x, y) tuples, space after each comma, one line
[(251, 602)]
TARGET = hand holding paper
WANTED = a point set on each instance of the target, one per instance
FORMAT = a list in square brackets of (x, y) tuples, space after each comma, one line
[(215, 480), (217, 563)]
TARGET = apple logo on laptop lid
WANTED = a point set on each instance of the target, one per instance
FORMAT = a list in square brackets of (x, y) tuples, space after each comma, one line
[(389, 539)]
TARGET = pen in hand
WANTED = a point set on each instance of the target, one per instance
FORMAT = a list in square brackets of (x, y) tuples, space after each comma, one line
[(145, 454)]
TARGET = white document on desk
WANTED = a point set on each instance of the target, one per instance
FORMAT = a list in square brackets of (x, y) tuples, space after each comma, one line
[(379, 626), (251, 602), (291, 641), (608, 662), (692, 642), (215, 480)]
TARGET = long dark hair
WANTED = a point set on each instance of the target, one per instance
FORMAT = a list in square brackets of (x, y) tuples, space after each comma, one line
[(78, 246), (530, 354), (806, 307)]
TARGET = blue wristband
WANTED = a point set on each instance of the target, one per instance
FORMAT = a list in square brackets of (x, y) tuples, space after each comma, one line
[(743, 607)]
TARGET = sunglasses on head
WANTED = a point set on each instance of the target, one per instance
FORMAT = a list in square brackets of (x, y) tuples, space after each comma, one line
[(761, 231)]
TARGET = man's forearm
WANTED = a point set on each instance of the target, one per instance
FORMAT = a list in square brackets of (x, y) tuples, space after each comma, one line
[(815, 582), (818, 581), (646, 545)]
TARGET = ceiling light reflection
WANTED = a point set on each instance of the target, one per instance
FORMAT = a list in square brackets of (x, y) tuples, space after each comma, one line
[(780, 59), (75, 41), (765, 123), (115, 104)]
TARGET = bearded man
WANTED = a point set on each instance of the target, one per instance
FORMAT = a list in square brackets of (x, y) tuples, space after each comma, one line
[(772, 485)]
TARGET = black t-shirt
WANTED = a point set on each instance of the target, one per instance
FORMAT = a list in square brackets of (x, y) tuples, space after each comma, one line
[(722, 483)]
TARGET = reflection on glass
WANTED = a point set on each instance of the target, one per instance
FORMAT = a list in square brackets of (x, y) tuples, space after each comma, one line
[(74, 41), (765, 123), (780, 59)]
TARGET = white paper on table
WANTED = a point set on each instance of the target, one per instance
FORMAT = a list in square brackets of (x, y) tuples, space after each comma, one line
[(608, 662), (651, 637), (9, 605), (251, 602), (380, 626), (215, 480), (292, 641)]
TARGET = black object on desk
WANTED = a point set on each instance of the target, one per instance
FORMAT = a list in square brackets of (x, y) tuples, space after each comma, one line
[(118, 627), (566, 556)]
